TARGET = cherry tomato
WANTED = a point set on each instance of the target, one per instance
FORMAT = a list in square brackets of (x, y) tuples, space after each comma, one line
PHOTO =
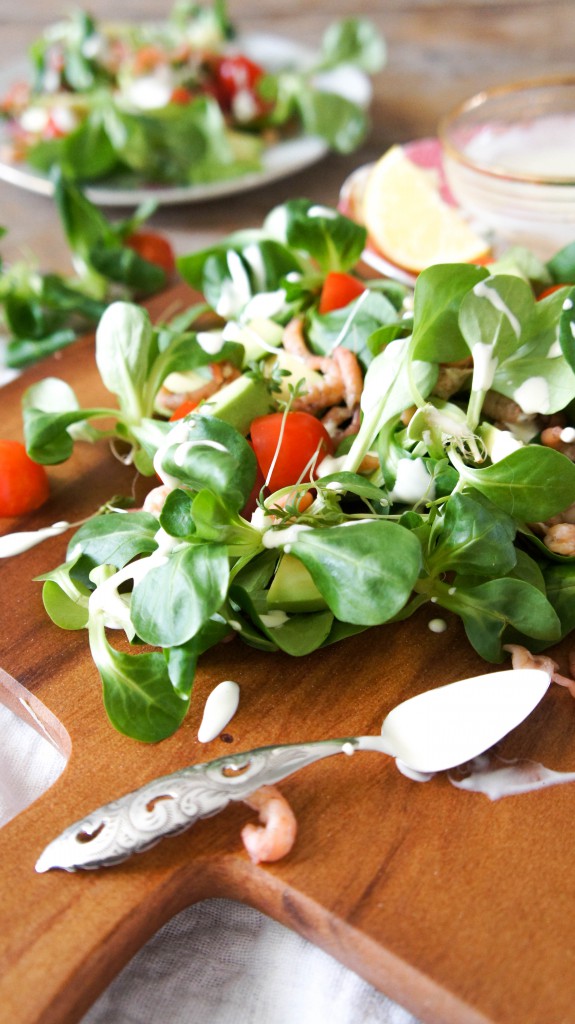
[(549, 291), (303, 435), (181, 95), (234, 75), (154, 248), (187, 406), (339, 290), (24, 484), (238, 73)]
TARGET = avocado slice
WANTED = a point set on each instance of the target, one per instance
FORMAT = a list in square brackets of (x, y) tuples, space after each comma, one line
[(293, 589), (239, 402)]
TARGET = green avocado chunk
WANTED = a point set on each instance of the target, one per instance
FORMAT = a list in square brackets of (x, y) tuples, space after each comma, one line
[(239, 402), (293, 589)]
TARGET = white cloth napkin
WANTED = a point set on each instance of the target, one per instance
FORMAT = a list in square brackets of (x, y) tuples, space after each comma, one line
[(218, 962)]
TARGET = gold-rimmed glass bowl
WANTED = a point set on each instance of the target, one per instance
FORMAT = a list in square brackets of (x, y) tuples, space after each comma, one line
[(509, 157)]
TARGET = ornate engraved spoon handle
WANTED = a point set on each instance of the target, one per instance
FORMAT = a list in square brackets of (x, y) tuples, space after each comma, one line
[(173, 803)]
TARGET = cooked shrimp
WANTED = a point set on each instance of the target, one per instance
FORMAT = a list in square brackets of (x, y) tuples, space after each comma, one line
[(504, 410), (342, 379), (221, 373), (154, 500), (522, 658), (276, 838), (560, 538), (351, 375)]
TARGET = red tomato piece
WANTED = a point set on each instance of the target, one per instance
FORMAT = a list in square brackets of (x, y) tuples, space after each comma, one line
[(238, 73), (187, 406), (181, 95), (303, 435), (549, 291), (339, 290), (154, 248), (24, 485)]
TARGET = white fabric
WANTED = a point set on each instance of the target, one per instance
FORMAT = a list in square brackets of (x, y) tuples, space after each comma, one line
[(218, 962)]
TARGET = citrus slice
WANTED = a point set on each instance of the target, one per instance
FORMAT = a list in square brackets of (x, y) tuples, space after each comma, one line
[(409, 223)]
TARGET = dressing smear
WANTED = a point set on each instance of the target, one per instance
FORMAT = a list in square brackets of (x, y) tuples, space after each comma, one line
[(496, 778), (219, 710)]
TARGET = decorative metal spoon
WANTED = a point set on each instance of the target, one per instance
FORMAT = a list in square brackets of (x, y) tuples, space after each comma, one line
[(436, 730)]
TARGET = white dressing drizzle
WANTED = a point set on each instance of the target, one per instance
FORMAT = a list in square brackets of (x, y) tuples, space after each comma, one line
[(16, 543), (437, 625), (211, 342), (413, 483), (220, 708), (484, 291), (533, 395), (496, 778), (186, 446), (275, 618), (484, 366), (279, 538)]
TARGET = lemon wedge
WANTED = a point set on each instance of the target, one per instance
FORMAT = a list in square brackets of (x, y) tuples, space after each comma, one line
[(408, 221)]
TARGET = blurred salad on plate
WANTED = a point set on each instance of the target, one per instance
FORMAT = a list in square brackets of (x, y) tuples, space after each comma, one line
[(186, 107)]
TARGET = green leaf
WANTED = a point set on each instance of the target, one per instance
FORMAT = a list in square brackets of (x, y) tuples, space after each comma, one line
[(176, 516), (214, 521), (472, 536), (342, 123), (532, 484), (49, 408), (124, 353), (139, 697), (437, 298), (491, 608), (364, 570), (560, 582), (214, 457), (567, 326), (353, 41), (115, 538), (335, 242), (174, 599)]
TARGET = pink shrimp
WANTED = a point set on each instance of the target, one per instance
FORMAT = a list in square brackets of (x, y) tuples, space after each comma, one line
[(522, 658), (221, 373), (276, 838), (154, 500), (342, 379), (560, 538)]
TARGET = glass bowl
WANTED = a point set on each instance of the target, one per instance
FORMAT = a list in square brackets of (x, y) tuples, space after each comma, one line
[(509, 158)]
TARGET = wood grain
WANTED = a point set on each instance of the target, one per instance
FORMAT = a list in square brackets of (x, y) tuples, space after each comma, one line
[(456, 907)]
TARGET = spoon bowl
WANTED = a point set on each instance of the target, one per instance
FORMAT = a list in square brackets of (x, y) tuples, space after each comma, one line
[(447, 726)]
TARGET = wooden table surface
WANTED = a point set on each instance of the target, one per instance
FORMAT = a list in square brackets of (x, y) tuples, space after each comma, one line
[(439, 53)]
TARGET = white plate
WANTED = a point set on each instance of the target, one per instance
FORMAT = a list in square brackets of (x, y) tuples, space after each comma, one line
[(279, 160)]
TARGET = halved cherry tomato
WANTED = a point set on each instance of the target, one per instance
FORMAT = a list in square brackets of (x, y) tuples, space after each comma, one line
[(238, 73), (303, 435), (339, 290), (181, 95), (187, 406), (154, 248), (549, 291), (24, 485)]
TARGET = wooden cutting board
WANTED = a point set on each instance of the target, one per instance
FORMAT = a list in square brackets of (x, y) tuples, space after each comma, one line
[(459, 908)]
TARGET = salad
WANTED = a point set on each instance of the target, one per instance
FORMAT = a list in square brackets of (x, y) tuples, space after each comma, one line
[(176, 102), (332, 454), (41, 313)]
